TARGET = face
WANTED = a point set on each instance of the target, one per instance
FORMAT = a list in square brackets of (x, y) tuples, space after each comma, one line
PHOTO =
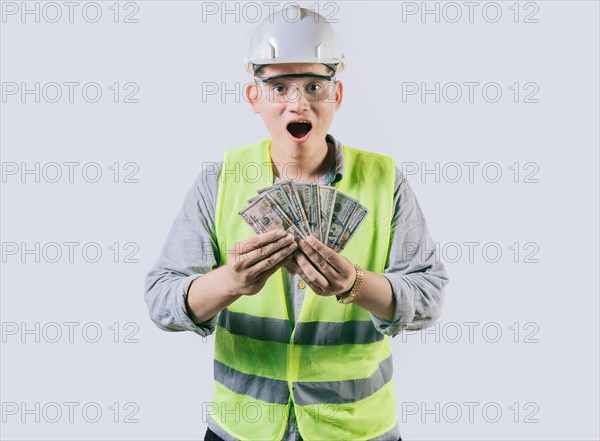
[(283, 103)]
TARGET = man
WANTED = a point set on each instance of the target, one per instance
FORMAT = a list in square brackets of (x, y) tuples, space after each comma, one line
[(304, 356)]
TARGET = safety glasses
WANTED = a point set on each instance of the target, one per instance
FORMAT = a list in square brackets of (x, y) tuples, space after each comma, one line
[(314, 87)]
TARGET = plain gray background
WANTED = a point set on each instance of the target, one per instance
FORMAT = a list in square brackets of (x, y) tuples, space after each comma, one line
[(532, 353)]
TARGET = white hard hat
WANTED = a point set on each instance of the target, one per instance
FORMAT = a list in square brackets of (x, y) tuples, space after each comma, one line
[(294, 35)]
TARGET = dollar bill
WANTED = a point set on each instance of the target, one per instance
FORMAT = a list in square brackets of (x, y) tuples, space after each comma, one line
[(309, 199), (280, 195), (287, 199), (343, 208), (354, 223), (303, 209), (327, 199), (297, 208), (263, 215), (316, 203)]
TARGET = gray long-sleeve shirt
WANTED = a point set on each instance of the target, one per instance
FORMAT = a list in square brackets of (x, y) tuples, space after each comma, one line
[(416, 275)]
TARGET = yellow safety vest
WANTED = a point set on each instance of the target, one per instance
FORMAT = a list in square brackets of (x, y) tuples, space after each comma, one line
[(333, 366)]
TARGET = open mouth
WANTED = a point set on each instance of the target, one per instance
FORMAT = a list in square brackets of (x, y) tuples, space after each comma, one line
[(299, 129)]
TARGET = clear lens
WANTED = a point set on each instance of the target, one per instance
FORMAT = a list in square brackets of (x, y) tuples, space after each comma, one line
[(285, 90)]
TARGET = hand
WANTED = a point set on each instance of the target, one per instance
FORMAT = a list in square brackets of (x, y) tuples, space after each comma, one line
[(325, 271), (253, 261)]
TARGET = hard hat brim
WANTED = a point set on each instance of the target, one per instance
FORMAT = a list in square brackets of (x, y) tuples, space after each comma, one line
[(264, 61)]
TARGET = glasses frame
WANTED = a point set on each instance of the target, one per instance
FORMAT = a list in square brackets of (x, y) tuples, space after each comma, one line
[(300, 75), (329, 78)]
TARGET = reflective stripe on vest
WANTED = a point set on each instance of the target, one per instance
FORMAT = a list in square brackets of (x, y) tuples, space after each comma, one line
[(331, 365), (306, 333), (305, 392)]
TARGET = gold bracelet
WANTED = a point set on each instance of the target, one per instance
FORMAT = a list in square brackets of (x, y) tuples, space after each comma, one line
[(353, 294)]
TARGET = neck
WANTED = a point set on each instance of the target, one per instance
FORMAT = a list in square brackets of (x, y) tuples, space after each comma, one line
[(302, 163)]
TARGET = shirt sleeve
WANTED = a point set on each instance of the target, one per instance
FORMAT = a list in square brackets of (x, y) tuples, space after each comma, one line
[(414, 270), (190, 251)]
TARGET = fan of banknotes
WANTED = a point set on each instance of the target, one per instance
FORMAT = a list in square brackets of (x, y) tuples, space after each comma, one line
[(306, 209)]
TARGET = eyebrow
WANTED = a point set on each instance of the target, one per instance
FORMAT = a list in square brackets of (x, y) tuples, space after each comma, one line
[(300, 75)]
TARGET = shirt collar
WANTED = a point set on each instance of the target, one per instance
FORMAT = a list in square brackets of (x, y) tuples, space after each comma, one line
[(336, 172)]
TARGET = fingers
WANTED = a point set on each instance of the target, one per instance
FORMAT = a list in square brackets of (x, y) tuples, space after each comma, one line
[(275, 259), (304, 277), (312, 275), (258, 241), (252, 257), (330, 256), (276, 267), (321, 256), (293, 264)]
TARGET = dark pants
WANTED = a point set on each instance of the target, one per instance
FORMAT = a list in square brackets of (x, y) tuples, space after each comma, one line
[(212, 436)]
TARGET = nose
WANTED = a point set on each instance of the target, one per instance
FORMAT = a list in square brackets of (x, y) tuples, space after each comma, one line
[(297, 100)]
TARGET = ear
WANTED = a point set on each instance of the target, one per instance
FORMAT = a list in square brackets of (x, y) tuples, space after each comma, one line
[(339, 94), (253, 96)]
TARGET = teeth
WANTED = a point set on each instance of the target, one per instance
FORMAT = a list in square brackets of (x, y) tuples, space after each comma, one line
[(305, 122)]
